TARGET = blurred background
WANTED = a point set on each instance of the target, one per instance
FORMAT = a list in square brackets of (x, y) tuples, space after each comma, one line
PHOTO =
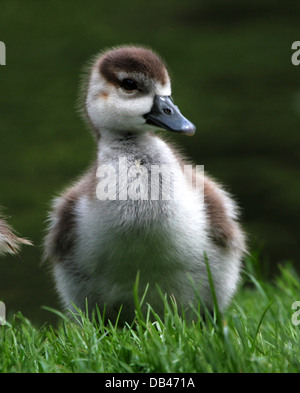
[(232, 76)]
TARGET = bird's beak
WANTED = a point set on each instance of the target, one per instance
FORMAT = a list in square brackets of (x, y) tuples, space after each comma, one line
[(165, 114)]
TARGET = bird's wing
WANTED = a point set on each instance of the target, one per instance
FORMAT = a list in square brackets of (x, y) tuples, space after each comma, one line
[(61, 232), (223, 214)]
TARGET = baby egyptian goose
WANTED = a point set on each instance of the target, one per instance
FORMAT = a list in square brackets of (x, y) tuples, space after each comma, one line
[(105, 229), (9, 242)]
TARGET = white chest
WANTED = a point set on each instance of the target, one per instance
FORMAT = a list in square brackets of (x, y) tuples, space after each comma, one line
[(156, 229)]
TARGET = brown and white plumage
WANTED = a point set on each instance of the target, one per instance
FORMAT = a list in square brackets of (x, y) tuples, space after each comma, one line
[(98, 247), (9, 242)]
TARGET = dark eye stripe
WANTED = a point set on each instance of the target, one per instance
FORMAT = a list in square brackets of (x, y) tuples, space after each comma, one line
[(129, 84)]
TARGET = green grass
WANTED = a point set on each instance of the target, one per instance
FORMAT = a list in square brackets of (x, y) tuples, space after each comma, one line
[(256, 335)]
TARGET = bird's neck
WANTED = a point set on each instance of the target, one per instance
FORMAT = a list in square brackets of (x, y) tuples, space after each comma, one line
[(144, 147), (126, 141)]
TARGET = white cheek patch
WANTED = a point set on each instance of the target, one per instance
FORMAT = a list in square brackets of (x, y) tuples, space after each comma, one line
[(163, 90), (130, 106)]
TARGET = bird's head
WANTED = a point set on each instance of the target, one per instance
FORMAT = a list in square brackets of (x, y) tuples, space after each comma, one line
[(129, 90)]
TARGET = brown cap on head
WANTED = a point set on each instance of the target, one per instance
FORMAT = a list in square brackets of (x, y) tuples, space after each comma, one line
[(132, 59)]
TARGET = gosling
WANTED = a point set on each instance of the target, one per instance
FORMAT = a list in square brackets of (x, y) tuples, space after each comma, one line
[(105, 231)]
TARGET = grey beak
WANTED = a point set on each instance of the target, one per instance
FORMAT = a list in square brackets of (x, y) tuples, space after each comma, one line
[(165, 114)]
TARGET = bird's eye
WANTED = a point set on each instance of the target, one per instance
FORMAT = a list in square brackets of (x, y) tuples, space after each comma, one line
[(129, 84)]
